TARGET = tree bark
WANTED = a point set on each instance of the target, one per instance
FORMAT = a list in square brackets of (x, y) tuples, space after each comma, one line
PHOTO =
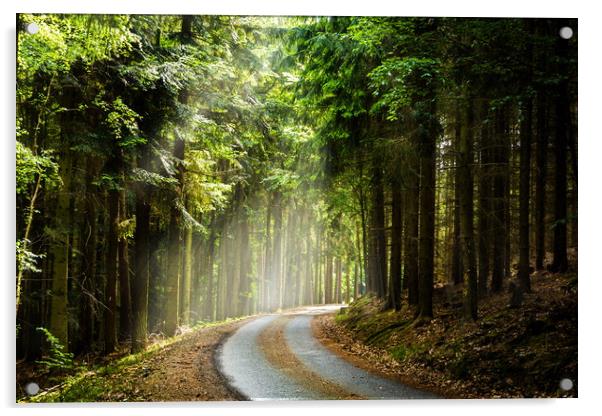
[(500, 188), (141, 274), (411, 230), (485, 206), (110, 311), (560, 262), (465, 178), (187, 277), (59, 251), (457, 276), (276, 292), (379, 250), (525, 190), (175, 244), (125, 297), (396, 241), (245, 263), (541, 163), (427, 227)]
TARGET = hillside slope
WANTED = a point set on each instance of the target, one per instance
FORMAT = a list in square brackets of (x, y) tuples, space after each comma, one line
[(509, 352)]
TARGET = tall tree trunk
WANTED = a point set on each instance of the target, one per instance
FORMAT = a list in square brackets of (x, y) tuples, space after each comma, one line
[(541, 162), (59, 250), (348, 283), (427, 230), (411, 230), (245, 263), (465, 178), (339, 281), (209, 297), (309, 259), (289, 289), (140, 281), (328, 275), (141, 272), (90, 250), (485, 205), (110, 311), (276, 292), (267, 268), (396, 241), (125, 298), (379, 250), (222, 274), (359, 262), (499, 203), (457, 275), (187, 278), (298, 298), (562, 112), (524, 192), (175, 244)]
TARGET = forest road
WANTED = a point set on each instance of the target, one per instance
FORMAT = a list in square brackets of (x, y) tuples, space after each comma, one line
[(277, 357)]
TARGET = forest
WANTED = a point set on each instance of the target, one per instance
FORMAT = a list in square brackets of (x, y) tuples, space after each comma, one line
[(173, 170)]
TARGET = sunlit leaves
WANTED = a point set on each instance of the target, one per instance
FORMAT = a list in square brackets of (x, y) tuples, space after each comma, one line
[(399, 82), (30, 166), (152, 178), (281, 180), (62, 40)]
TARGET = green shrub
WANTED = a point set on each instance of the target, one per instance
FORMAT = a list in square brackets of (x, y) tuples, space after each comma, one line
[(57, 359)]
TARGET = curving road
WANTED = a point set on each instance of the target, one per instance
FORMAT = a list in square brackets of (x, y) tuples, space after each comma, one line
[(276, 357)]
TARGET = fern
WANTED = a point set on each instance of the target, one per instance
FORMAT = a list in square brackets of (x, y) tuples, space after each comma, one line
[(58, 358)]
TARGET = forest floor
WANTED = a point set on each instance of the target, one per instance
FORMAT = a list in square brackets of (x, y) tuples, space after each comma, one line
[(509, 352), (181, 368)]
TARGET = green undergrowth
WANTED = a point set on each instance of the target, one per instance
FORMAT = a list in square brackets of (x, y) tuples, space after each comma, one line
[(507, 352), (97, 383)]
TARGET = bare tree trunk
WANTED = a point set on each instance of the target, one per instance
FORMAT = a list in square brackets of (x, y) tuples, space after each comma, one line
[(276, 295), (141, 274), (541, 163), (379, 250), (59, 250), (125, 297), (427, 228), (524, 196), (396, 241), (500, 188), (411, 231), (245, 263), (485, 207), (560, 262), (457, 255), (465, 178), (110, 311)]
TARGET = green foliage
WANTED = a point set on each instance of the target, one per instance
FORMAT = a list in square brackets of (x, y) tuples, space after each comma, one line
[(30, 167), (27, 260), (58, 358), (400, 82), (121, 121)]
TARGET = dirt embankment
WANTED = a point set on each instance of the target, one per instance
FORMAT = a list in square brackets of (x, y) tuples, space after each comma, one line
[(180, 369), (509, 352)]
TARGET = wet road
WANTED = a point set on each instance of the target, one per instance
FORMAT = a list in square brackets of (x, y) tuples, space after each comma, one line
[(276, 357)]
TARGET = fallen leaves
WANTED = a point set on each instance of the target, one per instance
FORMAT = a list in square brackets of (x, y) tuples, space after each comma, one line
[(522, 352)]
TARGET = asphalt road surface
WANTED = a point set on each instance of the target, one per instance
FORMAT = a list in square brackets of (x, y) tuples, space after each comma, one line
[(276, 357)]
